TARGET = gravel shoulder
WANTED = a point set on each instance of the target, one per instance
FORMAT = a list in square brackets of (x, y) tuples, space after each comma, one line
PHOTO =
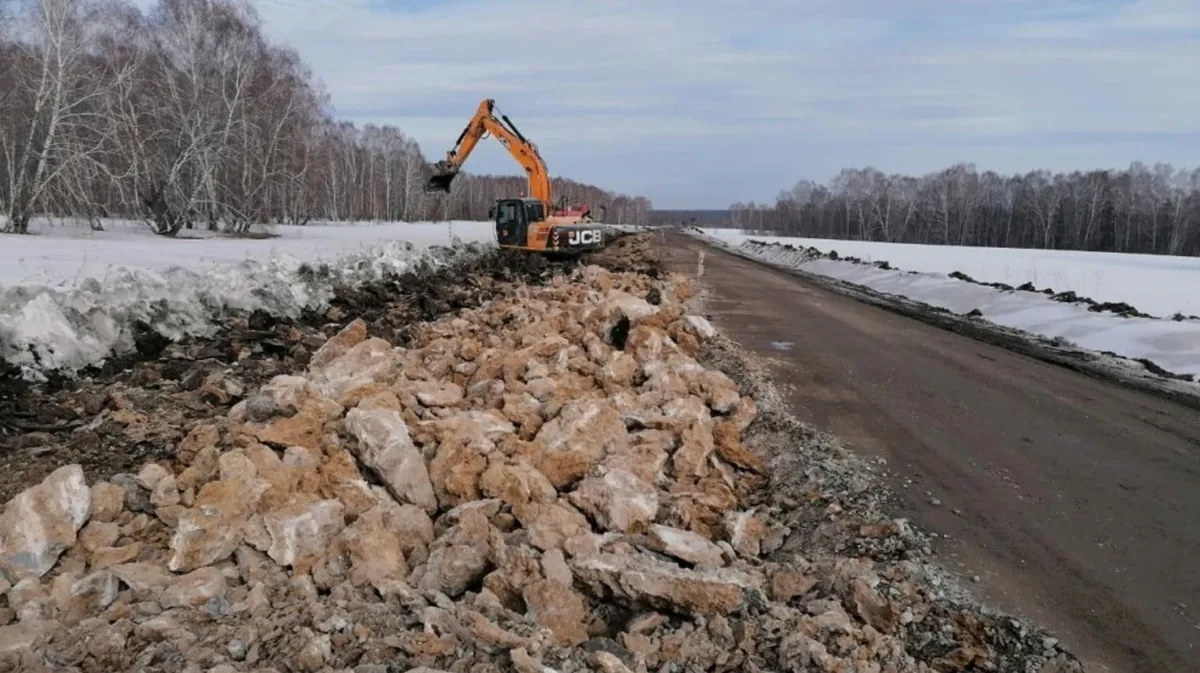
[(1072, 499)]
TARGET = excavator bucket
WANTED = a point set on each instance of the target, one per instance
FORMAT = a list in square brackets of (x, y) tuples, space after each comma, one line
[(440, 182), (442, 176)]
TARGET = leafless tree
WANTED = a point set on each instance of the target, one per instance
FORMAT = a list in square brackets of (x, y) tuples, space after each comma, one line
[(55, 85), (187, 115), (1141, 209)]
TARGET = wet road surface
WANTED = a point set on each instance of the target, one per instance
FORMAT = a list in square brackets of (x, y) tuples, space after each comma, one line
[(1075, 501)]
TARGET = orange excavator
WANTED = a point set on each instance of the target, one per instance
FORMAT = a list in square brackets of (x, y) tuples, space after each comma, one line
[(532, 223)]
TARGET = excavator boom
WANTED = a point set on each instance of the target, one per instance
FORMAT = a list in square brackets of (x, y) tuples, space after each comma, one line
[(532, 222), (484, 122)]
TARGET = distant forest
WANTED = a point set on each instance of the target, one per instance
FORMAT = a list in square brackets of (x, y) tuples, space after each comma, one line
[(696, 218), (187, 115), (1144, 209)]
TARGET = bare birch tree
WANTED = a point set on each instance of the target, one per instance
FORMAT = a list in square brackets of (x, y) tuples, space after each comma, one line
[(1141, 209), (187, 115)]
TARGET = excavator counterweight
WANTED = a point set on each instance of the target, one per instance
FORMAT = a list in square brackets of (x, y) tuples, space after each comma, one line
[(533, 222)]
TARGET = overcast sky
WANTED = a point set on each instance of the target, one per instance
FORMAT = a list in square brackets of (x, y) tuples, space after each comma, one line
[(700, 103)]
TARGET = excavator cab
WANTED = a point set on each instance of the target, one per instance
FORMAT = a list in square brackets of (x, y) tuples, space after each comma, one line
[(512, 222), (522, 223)]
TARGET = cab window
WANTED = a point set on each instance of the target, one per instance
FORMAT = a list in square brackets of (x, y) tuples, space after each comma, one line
[(533, 211), (510, 213)]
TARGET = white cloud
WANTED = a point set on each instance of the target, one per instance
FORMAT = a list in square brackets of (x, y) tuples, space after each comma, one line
[(800, 85)]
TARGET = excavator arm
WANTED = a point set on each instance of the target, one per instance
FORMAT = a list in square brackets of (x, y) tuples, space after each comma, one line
[(484, 122)]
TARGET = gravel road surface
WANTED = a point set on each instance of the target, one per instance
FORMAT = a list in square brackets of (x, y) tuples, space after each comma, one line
[(1074, 501)]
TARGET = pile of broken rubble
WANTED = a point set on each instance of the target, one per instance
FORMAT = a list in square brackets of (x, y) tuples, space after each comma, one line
[(551, 481)]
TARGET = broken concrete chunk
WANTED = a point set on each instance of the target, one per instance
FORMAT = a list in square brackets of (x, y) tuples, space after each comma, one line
[(878, 611), (726, 437), (98, 534), (579, 438), (78, 599), (456, 469), (150, 475), (618, 500), (376, 551), (301, 533), (42, 522), (364, 370), (691, 459), (104, 557), (142, 578), (350, 336), (684, 545), (193, 589), (235, 464), (550, 525), (384, 446), (438, 394), (341, 480), (27, 636), (212, 529), (701, 326), (517, 483), (108, 500), (641, 579), (165, 492), (745, 532), (789, 584), (558, 608), (302, 429), (486, 631), (554, 567), (461, 557)]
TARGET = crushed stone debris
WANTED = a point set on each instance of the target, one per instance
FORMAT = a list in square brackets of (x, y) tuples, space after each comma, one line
[(575, 474)]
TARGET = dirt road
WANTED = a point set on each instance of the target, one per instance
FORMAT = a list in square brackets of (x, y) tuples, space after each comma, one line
[(1076, 502)]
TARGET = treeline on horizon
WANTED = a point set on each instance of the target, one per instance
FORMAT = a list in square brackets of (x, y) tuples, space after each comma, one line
[(187, 116), (1143, 209)]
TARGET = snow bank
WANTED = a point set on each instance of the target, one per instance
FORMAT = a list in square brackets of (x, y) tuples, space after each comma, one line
[(1173, 345), (1160, 285), (93, 289)]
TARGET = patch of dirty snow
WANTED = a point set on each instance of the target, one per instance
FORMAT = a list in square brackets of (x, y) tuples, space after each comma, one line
[(67, 324)]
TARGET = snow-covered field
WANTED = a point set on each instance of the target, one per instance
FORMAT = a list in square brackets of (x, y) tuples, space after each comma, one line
[(1155, 285), (64, 253), (70, 296)]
